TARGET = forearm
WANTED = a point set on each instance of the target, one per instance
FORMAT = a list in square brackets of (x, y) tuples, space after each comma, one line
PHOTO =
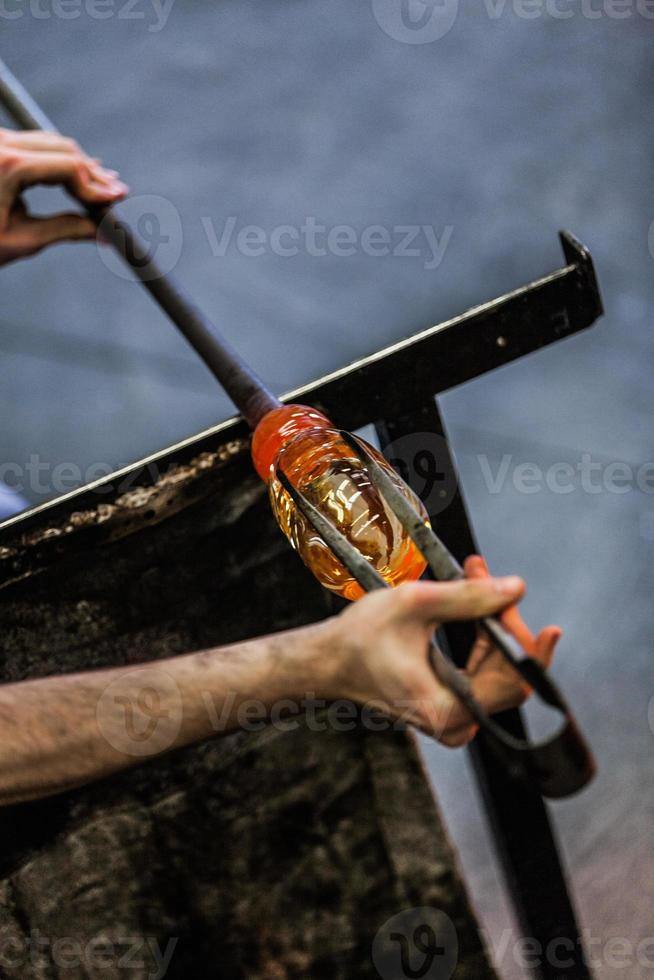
[(61, 732)]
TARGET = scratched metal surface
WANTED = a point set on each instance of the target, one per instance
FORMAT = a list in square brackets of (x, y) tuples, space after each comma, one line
[(504, 129)]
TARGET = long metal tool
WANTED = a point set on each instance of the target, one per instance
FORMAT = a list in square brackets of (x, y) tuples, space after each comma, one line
[(246, 389), (561, 764)]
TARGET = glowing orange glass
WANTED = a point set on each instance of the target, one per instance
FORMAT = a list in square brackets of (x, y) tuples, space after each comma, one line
[(305, 444)]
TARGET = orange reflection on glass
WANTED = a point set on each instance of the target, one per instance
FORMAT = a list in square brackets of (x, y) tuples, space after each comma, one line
[(316, 460)]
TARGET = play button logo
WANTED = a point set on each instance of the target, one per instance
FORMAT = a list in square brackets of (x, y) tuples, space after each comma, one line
[(416, 21)]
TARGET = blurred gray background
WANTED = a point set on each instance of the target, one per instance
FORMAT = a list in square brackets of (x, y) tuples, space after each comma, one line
[(503, 129)]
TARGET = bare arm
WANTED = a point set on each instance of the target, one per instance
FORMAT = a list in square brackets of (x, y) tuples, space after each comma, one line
[(61, 732)]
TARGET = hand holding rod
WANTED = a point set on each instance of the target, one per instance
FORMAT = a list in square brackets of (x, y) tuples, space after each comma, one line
[(242, 384), (561, 764), (445, 568)]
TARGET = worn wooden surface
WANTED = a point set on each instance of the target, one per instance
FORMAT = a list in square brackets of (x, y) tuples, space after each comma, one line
[(275, 854)]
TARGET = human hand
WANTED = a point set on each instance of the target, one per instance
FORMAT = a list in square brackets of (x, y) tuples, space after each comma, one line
[(382, 651), (30, 158)]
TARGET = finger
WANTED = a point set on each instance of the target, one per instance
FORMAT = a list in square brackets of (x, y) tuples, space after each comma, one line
[(430, 706), (441, 602), (38, 139), (79, 176), (499, 690), (12, 216), (475, 567), (32, 234), (545, 645), (5, 213), (515, 624), (459, 737), (482, 648), (103, 174)]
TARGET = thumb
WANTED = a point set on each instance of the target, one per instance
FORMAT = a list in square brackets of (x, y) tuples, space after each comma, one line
[(539, 647), (475, 567), (5, 211), (33, 234)]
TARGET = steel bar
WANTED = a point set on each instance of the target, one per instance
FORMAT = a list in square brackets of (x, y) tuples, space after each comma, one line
[(242, 384)]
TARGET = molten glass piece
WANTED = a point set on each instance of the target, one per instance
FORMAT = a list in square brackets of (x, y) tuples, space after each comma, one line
[(304, 443)]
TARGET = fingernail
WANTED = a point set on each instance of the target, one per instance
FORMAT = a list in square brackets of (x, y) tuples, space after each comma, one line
[(115, 188), (508, 584), (103, 176)]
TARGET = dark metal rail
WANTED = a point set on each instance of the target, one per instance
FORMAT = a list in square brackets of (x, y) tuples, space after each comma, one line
[(520, 824)]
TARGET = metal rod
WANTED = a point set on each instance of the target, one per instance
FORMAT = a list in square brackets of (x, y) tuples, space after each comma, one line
[(246, 389)]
